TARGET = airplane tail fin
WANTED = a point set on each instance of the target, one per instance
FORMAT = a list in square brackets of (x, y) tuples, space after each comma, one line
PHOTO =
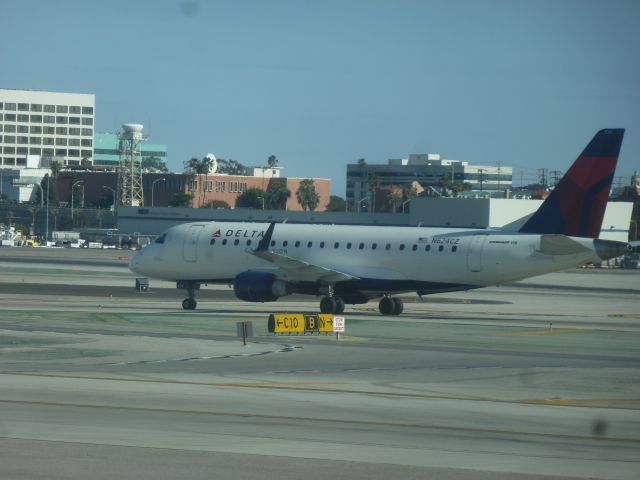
[(576, 205)]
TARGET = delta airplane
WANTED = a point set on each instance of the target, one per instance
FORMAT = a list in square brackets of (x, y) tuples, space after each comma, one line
[(354, 264)]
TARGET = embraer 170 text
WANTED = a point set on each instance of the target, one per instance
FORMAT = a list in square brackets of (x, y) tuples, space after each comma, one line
[(353, 264)]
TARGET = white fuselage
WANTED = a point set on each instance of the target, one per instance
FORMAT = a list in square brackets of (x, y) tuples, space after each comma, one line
[(210, 252)]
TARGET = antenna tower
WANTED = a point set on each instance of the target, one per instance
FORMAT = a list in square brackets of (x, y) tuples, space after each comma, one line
[(130, 166)]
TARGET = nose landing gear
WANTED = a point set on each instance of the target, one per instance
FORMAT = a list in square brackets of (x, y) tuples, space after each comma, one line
[(189, 303)]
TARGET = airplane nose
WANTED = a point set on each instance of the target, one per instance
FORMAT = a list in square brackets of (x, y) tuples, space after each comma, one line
[(134, 263)]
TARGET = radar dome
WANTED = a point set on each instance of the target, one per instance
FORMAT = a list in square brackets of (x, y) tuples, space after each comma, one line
[(132, 127), (214, 162)]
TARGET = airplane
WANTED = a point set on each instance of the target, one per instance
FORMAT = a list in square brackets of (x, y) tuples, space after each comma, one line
[(348, 264)]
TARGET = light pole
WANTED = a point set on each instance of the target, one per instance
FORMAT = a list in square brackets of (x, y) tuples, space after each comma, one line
[(114, 195), (153, 184), (262, 199), (72, 188), (46, 235), (362, 200)]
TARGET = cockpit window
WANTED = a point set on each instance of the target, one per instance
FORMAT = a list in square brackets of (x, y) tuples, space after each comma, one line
[(161, 238)]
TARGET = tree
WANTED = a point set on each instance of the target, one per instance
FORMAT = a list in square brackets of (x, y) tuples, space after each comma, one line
[(52, 188), (99, 216), (395, 199), (361, 162), (277, 196), (336, 204), (230, 167), (307, 196), (252, 198), (272, 161), (154, 165), (193, 165), (55, 168), (373, 181), (33, 211), (453, 188), (181, 200)]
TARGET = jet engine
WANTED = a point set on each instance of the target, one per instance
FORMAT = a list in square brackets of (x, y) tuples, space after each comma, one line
[(259, 287)]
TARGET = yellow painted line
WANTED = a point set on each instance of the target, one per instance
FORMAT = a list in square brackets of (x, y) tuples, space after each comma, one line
[(547, 331), (583, 401)]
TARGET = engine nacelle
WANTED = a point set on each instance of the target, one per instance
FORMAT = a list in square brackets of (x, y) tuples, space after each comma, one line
[(259, 287)]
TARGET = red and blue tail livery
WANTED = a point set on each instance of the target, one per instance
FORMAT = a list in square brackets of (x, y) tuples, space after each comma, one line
[(576, 206)]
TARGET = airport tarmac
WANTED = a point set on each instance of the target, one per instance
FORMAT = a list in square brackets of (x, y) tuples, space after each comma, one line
[(537, 379)]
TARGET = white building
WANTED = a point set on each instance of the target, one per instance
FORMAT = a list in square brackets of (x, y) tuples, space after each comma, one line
[(38, 127)]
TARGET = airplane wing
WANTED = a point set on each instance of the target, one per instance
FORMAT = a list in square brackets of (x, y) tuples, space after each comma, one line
[(297, 270), (293, 269), (553, 244)]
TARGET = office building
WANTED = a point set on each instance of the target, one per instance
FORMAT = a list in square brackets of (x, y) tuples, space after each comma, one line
[(37, 127)]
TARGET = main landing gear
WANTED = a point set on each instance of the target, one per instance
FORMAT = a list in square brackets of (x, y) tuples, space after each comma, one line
[(189, 303), (390, 306), (331, 305)]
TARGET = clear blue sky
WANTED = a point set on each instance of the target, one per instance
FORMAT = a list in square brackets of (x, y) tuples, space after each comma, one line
[(323, 83)]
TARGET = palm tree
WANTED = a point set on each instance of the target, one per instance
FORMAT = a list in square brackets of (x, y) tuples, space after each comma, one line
[(33, 211), (307, 196), (99, 215), (395, 199), (374, 182)]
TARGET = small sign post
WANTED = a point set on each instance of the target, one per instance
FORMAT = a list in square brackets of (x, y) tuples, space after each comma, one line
[(244, 330), (338, 326)]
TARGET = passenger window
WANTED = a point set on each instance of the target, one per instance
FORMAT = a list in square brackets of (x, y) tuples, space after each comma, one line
[(374, 246), (297, 243), (212, 242), (224, 242), (361, 246), (321, 244), (273, 243), (441, 248), (236, 241), (402, 246), (285, 243), (414, 248), (427, 248), (454, 248), (349, 246), (309, 244), (336, 245), (387, 246), (248, 242)]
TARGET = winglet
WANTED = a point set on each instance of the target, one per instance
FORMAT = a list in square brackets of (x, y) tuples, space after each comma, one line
[(576, 206), (263, 246)]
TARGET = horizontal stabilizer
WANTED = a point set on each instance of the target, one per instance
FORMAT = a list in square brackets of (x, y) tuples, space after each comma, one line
[(560, 245)]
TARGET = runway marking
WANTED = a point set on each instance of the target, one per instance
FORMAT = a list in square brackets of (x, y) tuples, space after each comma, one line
[(111, 318), (547, 331), (583, 401), (341, 422), (303, 386)]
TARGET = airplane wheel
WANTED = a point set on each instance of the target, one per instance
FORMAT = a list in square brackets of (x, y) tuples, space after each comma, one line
[(189, 304), (339, 305), (328, 305), (398, 306), (387, 306)]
